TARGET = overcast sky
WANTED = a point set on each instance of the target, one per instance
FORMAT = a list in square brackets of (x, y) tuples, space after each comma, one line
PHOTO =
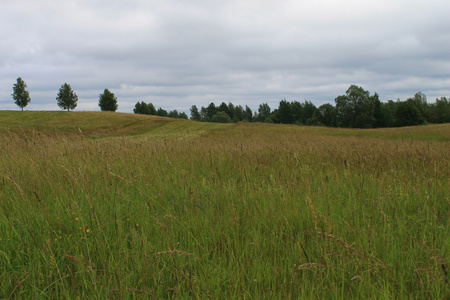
[(178, 53)]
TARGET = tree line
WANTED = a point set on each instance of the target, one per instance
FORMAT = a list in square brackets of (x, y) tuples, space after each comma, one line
[(356, 109), (149, 109)]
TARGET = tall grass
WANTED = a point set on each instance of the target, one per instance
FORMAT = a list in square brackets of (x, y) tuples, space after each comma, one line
[(190, 210)]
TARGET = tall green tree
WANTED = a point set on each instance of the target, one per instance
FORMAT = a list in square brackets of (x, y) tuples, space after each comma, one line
[(224, 107), (263, 112), (151, 110), (388, 113), (230, 112), (420, 101), (203, 114), (195, 114), (325, 115), (238, 113), (173, 114), (297, 112), (138, 108), (144, 108), (107, 101), (211, 110), (161, 112), (355, 109), (67, 99), (285, 112), (407, 114), (307, 112), (248, 114), (20, 94), (441, 110)]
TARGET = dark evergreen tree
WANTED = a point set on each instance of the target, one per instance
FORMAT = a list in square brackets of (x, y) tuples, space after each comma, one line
[(174, 114), (211, 110), (151, 110), (144, 108), (195, 115), (238, 114), (107, 101), (161, 112), (137, 108), (222, 107), (285, 113), (230, 111), (248, 114)]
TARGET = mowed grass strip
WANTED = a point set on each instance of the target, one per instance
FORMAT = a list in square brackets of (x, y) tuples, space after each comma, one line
[(234, 211)]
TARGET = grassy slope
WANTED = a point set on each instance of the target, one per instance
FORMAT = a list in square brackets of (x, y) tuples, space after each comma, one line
[(103, 124), (122, 205), (98, 124)]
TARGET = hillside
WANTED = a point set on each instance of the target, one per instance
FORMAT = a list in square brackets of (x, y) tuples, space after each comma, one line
[(108, 124), (97, 124)]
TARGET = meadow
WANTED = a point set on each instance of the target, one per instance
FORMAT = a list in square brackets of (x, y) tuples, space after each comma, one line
[(105, 205)]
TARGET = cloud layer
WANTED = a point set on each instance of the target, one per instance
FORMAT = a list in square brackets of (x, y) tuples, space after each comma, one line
[(179, 53)]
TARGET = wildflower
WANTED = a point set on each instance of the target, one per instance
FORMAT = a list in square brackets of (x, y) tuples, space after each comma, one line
[(87, 230)]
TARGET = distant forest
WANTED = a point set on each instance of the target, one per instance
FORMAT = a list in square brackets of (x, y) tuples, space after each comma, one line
[(356, 109)]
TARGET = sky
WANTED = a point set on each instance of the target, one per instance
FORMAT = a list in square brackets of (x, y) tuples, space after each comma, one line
[(176, 54)]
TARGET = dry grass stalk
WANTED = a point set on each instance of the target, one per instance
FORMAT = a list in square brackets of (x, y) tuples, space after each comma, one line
[(343, 243), (175, 252), (309, 266), (84, 261), (16, 287), (15, 183)]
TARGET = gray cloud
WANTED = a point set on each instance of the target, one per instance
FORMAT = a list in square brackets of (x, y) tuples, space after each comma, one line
[(177, 53)]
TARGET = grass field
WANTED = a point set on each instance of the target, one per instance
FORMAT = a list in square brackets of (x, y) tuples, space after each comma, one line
[(107, 205)]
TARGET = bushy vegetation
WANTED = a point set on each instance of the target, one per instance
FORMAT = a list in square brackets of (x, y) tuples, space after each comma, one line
[(356, 109), (137, 206), (149, 109)]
